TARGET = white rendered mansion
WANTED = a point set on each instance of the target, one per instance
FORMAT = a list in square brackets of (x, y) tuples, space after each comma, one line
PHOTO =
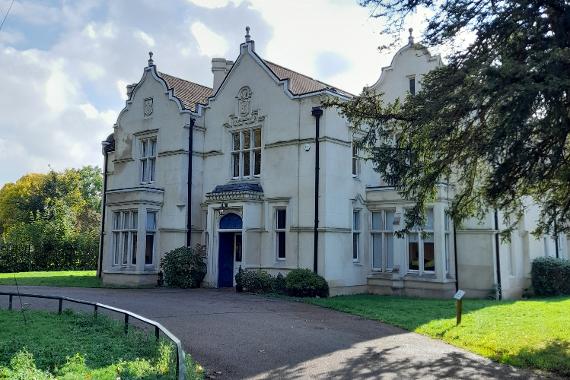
[(247, 191)]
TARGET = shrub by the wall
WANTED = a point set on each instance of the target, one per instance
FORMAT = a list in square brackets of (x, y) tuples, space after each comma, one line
[(255, 281), (306, 283), (184, 267), (550, 276), (279, 286)]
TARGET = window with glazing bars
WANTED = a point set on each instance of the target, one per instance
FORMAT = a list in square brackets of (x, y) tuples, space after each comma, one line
[(246, 153)]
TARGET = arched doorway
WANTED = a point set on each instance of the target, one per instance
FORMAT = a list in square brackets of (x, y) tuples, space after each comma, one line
[(230, 249)]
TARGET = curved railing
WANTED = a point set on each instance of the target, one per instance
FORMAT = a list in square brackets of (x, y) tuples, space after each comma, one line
[(158, 328)]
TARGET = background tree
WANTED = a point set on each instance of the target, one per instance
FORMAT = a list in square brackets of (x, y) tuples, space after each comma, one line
[(51, 221), (494, 120)]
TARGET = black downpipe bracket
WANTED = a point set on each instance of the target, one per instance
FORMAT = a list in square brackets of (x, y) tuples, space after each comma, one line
[(104, 204), (189, 201), (498, 257), (317, 112)]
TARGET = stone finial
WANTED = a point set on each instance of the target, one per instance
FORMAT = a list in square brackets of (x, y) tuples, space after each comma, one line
[(411, 37), (247, 36), (150, 61)]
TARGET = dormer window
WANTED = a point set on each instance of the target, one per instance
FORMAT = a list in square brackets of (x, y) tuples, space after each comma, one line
[(246, 153), (148, 159), (412, 83)]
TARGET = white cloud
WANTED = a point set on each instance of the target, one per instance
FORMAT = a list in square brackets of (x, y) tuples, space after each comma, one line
[(209, 43), (65, 65), (145, 38)]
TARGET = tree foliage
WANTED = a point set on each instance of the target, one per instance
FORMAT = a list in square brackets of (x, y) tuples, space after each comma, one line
[(494, 120), (51, 221)]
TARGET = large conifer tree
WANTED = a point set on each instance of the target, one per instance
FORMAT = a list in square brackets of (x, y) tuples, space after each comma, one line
[(494, 120)]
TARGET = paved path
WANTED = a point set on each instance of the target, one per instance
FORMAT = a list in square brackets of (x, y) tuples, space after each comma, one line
[(238, 336)]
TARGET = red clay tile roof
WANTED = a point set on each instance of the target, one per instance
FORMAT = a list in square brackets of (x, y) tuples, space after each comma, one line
[(300, 84), (189, 93)]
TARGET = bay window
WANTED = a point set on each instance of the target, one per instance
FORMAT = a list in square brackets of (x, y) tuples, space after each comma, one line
[(125, 237), (150, 237), (383, 240), (246, 153), (421, 247)]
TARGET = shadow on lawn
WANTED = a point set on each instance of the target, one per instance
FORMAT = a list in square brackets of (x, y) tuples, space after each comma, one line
[(555, 357)]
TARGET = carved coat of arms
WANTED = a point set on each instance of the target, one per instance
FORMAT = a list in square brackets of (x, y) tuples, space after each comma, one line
[(147, 107), (244, 101)]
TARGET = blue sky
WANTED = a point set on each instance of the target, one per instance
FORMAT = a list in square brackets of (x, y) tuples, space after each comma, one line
[(65, 64)]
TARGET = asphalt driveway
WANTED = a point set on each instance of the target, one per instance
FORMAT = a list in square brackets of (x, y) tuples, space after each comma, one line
[(238, 336)]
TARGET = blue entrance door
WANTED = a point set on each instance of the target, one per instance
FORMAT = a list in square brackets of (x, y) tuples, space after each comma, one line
[(227, 248), (226, 260)]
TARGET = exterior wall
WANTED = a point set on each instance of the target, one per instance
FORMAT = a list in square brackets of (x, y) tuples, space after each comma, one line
[(287, 180), (166, 195)]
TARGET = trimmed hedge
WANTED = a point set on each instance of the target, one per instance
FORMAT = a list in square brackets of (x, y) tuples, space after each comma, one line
[(184, 267), (297, 283), (550, 276), (306, 283)]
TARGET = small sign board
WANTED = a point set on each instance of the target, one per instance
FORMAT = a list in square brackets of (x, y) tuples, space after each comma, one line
[(459, 295)]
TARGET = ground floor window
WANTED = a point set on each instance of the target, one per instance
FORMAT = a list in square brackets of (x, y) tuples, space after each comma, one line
[(125, 224), (150, 237), (421, 246), (238, 248), (280, 231), (383, 240), (355, 235)]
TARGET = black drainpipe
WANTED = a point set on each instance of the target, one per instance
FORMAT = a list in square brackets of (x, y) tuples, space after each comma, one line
[(104, 202), (498, 257), (455, 255), (189, 211), (317, 112)]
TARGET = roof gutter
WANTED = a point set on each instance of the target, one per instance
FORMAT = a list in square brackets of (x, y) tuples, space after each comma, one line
[(317, 112)]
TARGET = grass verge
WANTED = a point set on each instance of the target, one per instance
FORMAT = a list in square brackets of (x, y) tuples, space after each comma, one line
[(77, 346), (83, 279), (530, 333)]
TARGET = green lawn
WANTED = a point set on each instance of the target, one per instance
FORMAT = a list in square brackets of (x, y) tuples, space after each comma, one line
[(77, 346), (532, 334), (83, 279)]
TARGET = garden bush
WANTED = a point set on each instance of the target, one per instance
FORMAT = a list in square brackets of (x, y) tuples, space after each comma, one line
[(184, 267), (255, 281), (550, 276), (305, 283), (279, 285)]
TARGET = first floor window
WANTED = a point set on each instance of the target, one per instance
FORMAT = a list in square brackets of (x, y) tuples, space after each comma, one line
[(355, 161), (125, 237), (246, 153), (280, 228), (421, 248), (383, 240), (147, 159), (355, 235), (447, 231), (150, 236)]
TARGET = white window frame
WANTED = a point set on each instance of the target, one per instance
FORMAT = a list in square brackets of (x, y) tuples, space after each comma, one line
[(356, 230), (251, 151), (280, 231), (124, 237), (447, 241), (415, 90), (355, 162), (420, 232), (147, 171), (154, 233), (385, 233)]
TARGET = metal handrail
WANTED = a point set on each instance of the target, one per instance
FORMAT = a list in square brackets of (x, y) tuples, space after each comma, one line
[(180, 365)]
